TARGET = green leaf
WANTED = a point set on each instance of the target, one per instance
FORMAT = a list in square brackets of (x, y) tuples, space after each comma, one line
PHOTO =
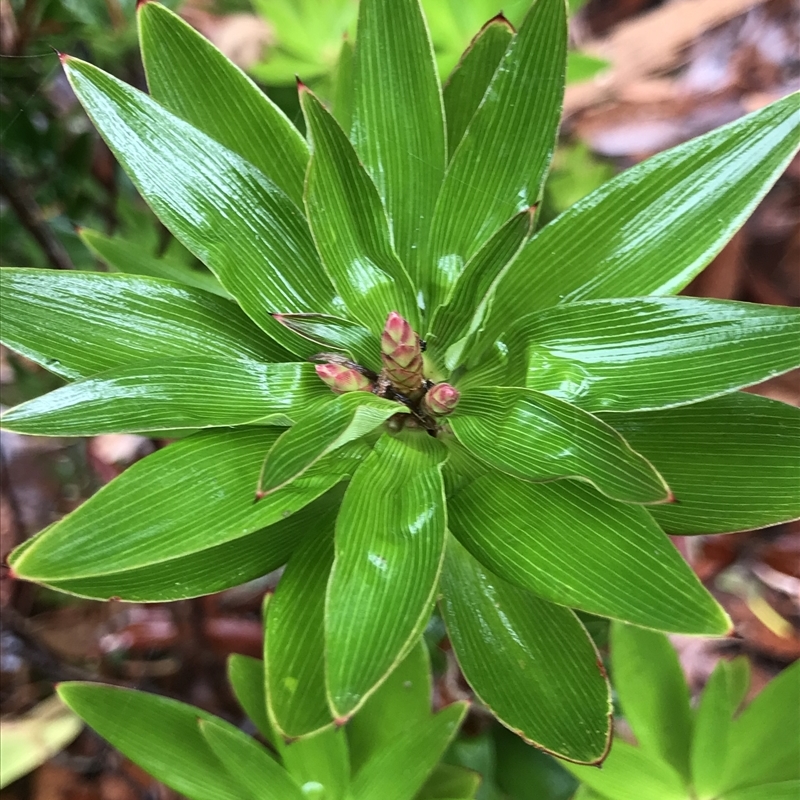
[(294, 646), (350, 226), (732, 462), (448, 781), (223, 209), (96, 322), (158, 734), (645, 354), (389, 550), (651, 229), (246, 677), (186, 498), (398, 772), (537, 437), (582, 66), (654, 695), (765, 737), (344, 419), (574, 547), (318, 761), (248, 763), (629, 773), (171, 395), (403, 700), (125, 255), (467, 84), (500, 165), (532, 663), (196, 82), (466, 307), (342, 105), (785, 790), (398, 122)]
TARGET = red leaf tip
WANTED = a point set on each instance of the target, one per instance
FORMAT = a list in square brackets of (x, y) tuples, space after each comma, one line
[(499, 19), (340, 722), (140, 3), (301, 87)]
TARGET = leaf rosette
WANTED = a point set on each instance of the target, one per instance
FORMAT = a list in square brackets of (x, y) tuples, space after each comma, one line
[(564, 415)]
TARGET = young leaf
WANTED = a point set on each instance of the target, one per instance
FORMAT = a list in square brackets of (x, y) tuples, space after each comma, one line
[(186, 498), (572, 546), (196, 82), (389, 549), (654, 695), (246, 677), (733, 462), (248, 763), (398, 772), (644, 354), (398, 123), (467, 84), (499, 167), (532, 663), (97, 322), (632, 237), (158, 734), (350, 226), (224, 210), (170, 395), (537, 437), (294, 646)]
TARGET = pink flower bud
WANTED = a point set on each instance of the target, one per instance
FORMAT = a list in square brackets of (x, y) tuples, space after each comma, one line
[(402, 355), (441, 399), (343, 379)]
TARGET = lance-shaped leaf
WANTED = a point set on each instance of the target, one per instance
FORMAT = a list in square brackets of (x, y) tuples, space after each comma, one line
[(214, 569), (350, 226), (294, 642), (537, 437), (399, 771), (450, 781), (467, 305), (337, 333), (642, 354), (186, 498), (569, 545), (389, 549), (246, 677), (125, 255), (467, 84), (654, 227), (318, 761), (159, 734), (96, 322), (733, 462), (499, 167), (331, 426), (223, 209), (398, 123), (248, 763), (196, 82), (342, 103), (531, 662), (170, 395)]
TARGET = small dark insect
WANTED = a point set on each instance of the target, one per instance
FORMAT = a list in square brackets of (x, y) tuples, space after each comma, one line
[(423, 345)]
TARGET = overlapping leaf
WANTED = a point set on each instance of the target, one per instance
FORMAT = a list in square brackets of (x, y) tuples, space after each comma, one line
[(569, 545), (538, 437), (246, 677), (532, 663), (389, 548)]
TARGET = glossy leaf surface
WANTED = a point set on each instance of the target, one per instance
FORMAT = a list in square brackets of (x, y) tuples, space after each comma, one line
[(186, 498), (468, 82), (170, 395), (654, 695), (537, 437), (499, 167), (398, 124), (350, 226), (96, 322), (651, 229), (389, 548), (319, 759), (246, 677), (158, 734), (732, 462), (572, 546), (195, 81), (642, 354), (223, 209), (294, 643), (531, 662)]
